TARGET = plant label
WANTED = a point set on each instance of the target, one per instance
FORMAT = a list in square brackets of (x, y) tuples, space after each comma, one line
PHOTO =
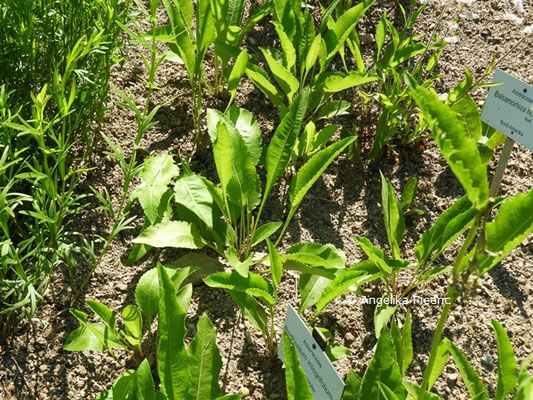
[(324, 381), (509, 108)]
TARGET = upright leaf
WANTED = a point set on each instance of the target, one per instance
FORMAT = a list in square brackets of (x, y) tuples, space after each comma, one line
[(172, 355), (459, 150), (393, 216), (295, 380), (507, 366), (205, 362), (276, 264), (282, 144), (191, 192), (144, 382), (283, 76), (471, 379)]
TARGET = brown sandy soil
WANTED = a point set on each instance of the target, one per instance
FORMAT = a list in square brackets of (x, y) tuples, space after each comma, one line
[(345, 201)]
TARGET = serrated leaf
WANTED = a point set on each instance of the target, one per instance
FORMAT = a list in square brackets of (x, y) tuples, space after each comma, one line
[(443, 352), (382, 315), (328, 254), (172, 355), (176, 234), (466, 109), (353, 384), (237, 72), (263, 83), (296, 382), (459, 150), (393, 217), (337, 83), (311, 288), (281, 146), (286, 80), (254, 285), (289, 53), (333, 109), (205, 362)]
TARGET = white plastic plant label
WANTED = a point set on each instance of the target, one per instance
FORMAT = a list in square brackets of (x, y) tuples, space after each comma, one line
[(324, 381), (509, 108)]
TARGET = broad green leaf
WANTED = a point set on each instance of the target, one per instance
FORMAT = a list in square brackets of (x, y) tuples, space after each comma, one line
[(459, 150), (295, 380), (205, 362), (337, 83), (133, 324), (386, 392), (512, 224), (95, 337), (468, 114), (409, 192), (507, 366), (289, 53), (329, 254), (254, 285), (343, 27), (382, 316), (104, 312), (224, 155), (286, 80), (282, 144), (144, 382), (333, 109), (344, 281), (237, 72), (443, 352), (323, 136), (375, 254), (470, 377), (252, 310), (311, 288), (381, 33), (264, 232), (450, 224), (405, 53), (180, 17), (172, 355), (312, 54), (191, 192), (353, 384), (383, 368), (262, 81), (156, 174), (205, 21), (276, 264), (311, 171), (235, 12), (393, 217), (176, 234)]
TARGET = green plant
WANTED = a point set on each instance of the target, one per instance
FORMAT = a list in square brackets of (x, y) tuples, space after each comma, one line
[(384, 378), (225, 219), (184, 373), (218, 23), (295, 66)]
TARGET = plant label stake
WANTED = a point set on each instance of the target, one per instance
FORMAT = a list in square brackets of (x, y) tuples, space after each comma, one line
[(509, 109), (324, 381)]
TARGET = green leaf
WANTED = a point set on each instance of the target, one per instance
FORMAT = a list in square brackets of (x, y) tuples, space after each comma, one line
[(205, 362), (382, 316), (512, 224), (295, 380), (450, 224), (336, 352), (375, 254), (288, 83), (95, 337), (144, 382), (237, 72), (383, 368), (337, 83), (176, 234), (224, 155), (343, 27), (381, 33), (409, 192), (156, 174), (264, 232), (507, 366), (242, 267), (333, 109), (133, 324), (353, 384), (311, 288), (470, 377), (344, 281), (326, 255), (443, 352), (468, 114), (312, 54), (105, 314), (235, 12), (311, 171), (525, 382), (253, 285), (172, 355), (289, 53), (261, 80), (282, 144), (413, 390), (386, 392), (192, 193), (276, 264), (393, 217), (459, 150), (252, 310), (205, 22)]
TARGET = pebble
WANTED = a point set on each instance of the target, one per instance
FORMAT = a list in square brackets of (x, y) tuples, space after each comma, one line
[(349, 338), (451, 378), (244, 391)]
